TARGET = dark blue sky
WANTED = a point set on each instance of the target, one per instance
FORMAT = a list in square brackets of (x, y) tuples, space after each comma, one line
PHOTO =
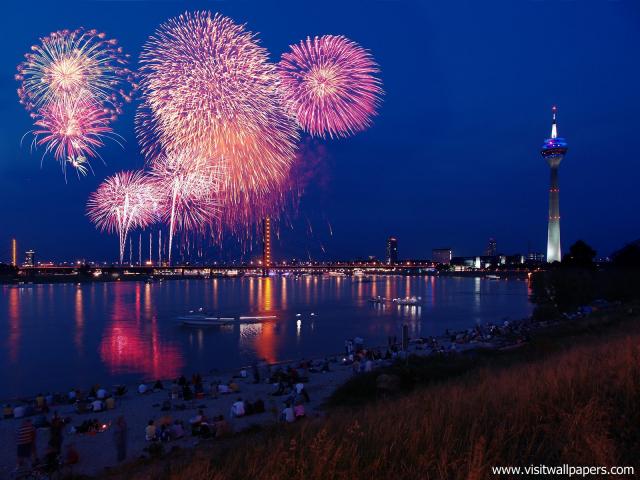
[(452, 159)]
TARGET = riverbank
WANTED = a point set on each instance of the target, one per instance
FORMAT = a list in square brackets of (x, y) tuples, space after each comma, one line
[(97, 450), (568, 396)]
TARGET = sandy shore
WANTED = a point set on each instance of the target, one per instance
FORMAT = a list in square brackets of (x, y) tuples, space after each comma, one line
[(98, 451)]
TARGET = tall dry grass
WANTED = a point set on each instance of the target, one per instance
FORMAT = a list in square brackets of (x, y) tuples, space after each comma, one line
[(580, 407)]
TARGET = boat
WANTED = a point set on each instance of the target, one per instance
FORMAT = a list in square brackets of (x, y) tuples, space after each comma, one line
[(408, 301), (377, 299), (259, 317), (493, 277)]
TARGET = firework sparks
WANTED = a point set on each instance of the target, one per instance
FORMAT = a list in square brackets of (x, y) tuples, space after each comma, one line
[(123, 202), (69, 62), (80, 164), (330, 86), (73, 83), (72, 128), (209, 88), (186, 187)]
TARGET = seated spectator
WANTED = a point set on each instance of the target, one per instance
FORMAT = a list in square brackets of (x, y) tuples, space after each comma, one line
[(288, 415), (298, 410), (234, 387), (258, 406), (177, 430), (19, 411), (110, 403), (237, 409), (158, 385), (142, 389), (7, 411), (101, 393), (97, 405), (187, 393), (73, 395), (40, 401), (221, 427), (150, 431), (222, 388), (302, 392)]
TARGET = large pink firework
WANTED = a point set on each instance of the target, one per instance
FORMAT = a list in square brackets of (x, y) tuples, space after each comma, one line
[(186, 187), (74, 83), (124, 201), (71, 129), (330, 86), (209, 88)]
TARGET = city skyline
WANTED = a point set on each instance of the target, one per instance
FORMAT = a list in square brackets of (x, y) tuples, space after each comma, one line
[(423, 200)]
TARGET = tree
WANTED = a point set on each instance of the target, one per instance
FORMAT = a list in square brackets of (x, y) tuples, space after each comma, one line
[(580, 255), (627, 257)]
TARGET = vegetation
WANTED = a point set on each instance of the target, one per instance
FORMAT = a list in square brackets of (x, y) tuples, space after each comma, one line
[(571, 397)]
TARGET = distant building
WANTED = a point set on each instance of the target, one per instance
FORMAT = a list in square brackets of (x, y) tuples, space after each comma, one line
[(536, 256), (442, 255), (492, 248), (392, 250), (30, 258)]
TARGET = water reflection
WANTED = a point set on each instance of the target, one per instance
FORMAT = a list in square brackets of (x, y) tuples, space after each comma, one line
[(113, 331), (127, 348), (13, 343)]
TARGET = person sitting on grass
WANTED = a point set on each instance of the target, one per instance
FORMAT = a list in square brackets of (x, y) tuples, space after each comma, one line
[(187, 393), (150, 431), (142, 389), (222, 427)]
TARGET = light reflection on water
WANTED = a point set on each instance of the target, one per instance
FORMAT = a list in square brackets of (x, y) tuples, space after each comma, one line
[(59, 336)]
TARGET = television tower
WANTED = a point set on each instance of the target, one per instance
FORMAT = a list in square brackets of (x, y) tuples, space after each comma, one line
[(266, 246), (554, 150)]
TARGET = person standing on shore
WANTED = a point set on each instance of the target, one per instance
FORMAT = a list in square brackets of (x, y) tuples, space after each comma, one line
[(120, 438), (55, 431), (26, 442)]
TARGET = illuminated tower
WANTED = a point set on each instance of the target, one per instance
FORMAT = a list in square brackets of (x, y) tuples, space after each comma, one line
[(266, 245), (553, 150), (14, 252)]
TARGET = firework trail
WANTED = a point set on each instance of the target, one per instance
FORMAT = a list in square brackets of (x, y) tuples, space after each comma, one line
[(209, 88), (186, 187), (73, 83), (330, 86), (122, 202)]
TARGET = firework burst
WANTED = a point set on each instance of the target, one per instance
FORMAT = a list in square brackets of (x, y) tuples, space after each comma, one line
[(69, 62), (125, 201), (186, 187), (72, 128), (73, 83), (330, 86), (209, 88)]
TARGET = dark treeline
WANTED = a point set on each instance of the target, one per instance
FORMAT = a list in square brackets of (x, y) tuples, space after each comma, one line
[(578, 280)]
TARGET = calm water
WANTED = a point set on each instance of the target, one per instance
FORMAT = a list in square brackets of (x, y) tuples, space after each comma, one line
[(59, 336)]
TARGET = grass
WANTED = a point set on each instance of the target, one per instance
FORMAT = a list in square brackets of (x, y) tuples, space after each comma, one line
[(572, 396)]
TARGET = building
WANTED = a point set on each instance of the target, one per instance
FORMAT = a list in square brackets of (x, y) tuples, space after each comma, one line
[(30, 258), (536, 256), (392, 250), (442, 255), (492, 248), (266, 245), (553, 150)]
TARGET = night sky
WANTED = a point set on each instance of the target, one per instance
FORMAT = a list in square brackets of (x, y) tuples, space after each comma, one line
[(451, 160)]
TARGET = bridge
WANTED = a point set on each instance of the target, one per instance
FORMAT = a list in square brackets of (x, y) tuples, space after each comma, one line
[(93, 272)]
